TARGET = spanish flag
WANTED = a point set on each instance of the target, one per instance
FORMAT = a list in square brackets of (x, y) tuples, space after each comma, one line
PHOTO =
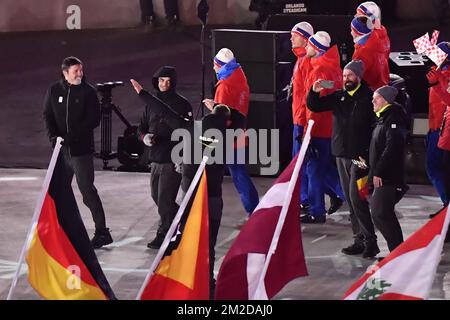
[(61, 261), (183, 272)]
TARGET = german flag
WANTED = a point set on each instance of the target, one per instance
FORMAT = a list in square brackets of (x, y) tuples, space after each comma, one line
[(61, 261), (362, 183), (363, 187), (183, 272)]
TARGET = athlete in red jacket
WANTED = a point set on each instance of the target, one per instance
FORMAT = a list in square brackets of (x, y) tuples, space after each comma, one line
[(299, 39), (371, 10), (327, 67), (440, 82), (440, 93), (437, 107), (232, 90), (323, 63), (370, 49)]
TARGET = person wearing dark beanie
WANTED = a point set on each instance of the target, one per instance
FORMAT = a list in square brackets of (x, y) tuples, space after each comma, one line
[(386, 163), (353, 120)]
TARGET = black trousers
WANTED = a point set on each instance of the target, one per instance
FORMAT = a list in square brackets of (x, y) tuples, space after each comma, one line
[(362, 225), (83, 169), (170, 6), (215, 209), (383, 215), (164, 184)]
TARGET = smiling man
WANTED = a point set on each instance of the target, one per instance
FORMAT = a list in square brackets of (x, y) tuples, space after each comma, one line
[(72, 111)]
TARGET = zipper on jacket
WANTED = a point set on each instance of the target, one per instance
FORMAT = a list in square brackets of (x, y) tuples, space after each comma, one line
[(67, 116)]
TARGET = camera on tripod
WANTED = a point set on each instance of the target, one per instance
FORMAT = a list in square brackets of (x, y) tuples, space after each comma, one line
[(129, 148), (106, 87)]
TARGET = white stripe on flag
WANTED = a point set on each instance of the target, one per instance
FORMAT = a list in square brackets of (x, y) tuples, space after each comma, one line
[(274, 197), (255, 264)]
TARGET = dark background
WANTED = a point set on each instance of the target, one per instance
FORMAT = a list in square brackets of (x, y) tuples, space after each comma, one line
[(30, 62)]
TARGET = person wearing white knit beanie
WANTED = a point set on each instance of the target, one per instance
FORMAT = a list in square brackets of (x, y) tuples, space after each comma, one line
[(318, 44), (300, 34)]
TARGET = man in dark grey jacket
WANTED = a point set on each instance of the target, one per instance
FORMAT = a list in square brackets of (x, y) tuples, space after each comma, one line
[(353, 118), (387, 158), (72, 111), (164, 112)]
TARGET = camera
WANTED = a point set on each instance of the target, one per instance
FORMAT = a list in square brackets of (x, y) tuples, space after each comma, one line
[(108, 86), (129, 147)]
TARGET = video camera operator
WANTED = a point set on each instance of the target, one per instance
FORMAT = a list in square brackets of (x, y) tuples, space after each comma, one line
[(163, 113)]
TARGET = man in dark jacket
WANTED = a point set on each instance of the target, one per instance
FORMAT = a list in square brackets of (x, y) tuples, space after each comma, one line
[(163, 113), (387, 156), (219, 119), (353, 118), (72, 111)]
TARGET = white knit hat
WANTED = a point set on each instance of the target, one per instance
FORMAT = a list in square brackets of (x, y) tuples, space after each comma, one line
[(224, 56), (320, 41), (304, 29), (371, 10)]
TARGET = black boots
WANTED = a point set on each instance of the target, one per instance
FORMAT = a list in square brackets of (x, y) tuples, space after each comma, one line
[(157, 242), (308, 218), (335, 205), (101, 238), (354, 249), (369, 250), (149, 23)]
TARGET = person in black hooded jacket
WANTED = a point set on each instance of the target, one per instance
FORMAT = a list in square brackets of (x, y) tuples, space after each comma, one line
[(72, 111), (164, 112), (386, 163)]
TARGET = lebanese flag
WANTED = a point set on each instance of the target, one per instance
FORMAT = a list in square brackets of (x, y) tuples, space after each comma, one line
[(240, 273), (183, 272), (407, 273), (62, 264)]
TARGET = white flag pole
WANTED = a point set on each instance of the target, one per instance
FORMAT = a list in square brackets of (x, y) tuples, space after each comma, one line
[(260, 292), (36, 214), (173, 226)]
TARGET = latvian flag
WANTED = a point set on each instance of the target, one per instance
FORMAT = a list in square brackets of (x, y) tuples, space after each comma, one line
[(407, 273), (61, 261), (240, 271), (183, 272)]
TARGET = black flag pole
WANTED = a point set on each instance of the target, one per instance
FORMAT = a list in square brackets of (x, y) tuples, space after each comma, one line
[(202, 13)]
